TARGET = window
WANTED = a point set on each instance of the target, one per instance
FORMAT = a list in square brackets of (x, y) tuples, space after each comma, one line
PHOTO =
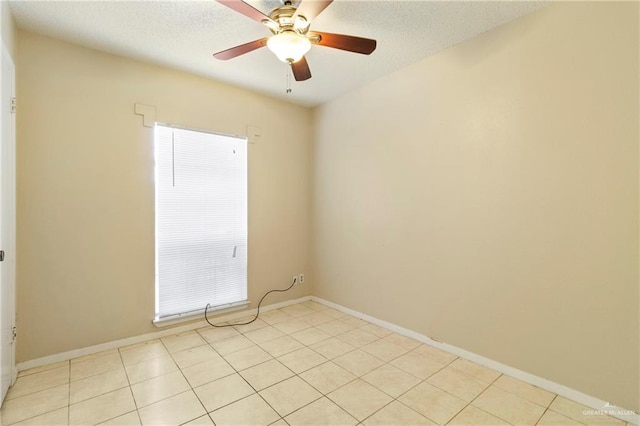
[(201, 221)]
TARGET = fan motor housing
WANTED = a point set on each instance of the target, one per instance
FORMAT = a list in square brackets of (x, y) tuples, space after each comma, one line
[(284, 16)]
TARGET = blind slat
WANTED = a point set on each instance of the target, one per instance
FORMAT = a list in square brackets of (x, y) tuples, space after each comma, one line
[(201, 220)]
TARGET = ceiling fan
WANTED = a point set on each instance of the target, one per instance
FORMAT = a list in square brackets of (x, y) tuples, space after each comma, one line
[(291, 38)]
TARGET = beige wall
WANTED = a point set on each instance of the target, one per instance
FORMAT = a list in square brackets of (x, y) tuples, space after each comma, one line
[(9, 31), (488, 197), (86, 192)]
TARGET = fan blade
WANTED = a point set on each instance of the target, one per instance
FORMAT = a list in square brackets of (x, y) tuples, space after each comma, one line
[(312, 8), (301, 70), (344, 42), (247, 10), (241, 50)]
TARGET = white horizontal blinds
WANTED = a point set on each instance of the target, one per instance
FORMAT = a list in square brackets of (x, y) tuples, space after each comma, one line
[(201, 220)]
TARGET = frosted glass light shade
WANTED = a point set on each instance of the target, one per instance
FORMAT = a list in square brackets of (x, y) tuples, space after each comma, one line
[(289, 46)]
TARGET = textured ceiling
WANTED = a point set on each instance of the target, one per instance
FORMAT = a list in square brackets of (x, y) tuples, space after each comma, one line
[(184, 35)]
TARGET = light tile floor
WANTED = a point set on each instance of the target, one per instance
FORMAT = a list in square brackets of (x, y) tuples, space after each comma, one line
[(300, 365)]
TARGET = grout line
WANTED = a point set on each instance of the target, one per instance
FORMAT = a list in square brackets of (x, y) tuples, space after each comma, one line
[(242, 377), (104, 393), (191, 388), (356, 377), (543, 413), (322, 395), (379, 338), (483, 391), (126, 374)]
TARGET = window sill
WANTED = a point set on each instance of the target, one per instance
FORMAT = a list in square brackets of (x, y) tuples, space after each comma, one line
[(194, 315)]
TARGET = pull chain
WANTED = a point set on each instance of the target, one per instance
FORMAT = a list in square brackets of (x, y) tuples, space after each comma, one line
[(289, 81)]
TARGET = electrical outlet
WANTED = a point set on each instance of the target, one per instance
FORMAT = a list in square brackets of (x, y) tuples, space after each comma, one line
[(301, 279), (295, 280)]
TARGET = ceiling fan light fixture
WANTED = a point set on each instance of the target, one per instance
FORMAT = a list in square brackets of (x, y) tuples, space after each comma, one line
[(289, 46)]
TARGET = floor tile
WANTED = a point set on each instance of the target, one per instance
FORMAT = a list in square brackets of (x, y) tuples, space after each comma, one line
[(291, 326), (42, 368), (474, 370), (397, 413), (95, 365), (580, 413), (359, 399), (175, 410), (59, 417), (332, 348), (334, 313), (195, 355), (263, 334), (376, 330), (327, 377), (217, 323), (281, 346), (248, 357), (129, 419), (433, 403), (223, 391), (310, 336), (357, 337), (266, 374), (251, 410), (525, 390), (158, 388), (551, 418), (213, 334), (94, 355), (275, 316), (319, 307), (418, 365), (286, 397), (231, 344), (509, 407), (391, 380), (35, 404), (182, 341), (200, 421), (297, 310), (400, 340), (353, 321), (102, 408), (301, 360), (475, 416), (369, 367), (320, 412), (242, 326), (36, 382), (457, 383), (97, 385), (435, 354), (358, 362), (150, 368), (334, 327), (316, 318), (205, 372), (141, 352), (384, 350)]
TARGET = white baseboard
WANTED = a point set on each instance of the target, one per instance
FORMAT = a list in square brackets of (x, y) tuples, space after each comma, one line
[(584, 399), (64, 356)]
